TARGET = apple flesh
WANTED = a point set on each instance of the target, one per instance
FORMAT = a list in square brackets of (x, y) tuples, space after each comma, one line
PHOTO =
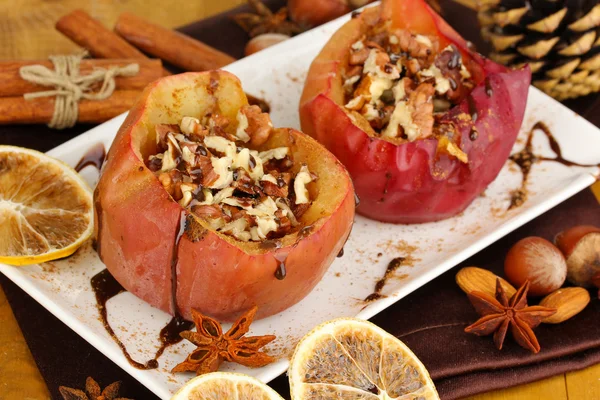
[(168, 257), (412, 182)]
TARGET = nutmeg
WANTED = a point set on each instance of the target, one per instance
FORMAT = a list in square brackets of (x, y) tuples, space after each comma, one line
[(540, 262), (568, 303), (263, 41), (581, 247)]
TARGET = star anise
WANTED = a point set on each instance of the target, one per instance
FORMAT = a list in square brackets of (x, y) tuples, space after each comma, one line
[(214, 347), (92, 392), (263, 20), (498, 314)]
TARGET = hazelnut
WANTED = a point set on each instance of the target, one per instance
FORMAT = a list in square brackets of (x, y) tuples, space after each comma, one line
[(263, 41), (581, 247), (539, 261), (471, 279)]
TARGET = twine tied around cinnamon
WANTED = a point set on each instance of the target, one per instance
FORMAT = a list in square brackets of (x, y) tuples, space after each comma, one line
[(70, 87)]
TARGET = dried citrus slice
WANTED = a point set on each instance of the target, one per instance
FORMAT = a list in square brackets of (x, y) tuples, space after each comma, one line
[(46, 208), (225, 385), (356, 360)]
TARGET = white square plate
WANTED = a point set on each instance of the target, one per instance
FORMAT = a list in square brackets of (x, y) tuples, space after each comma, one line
[(277, 75)]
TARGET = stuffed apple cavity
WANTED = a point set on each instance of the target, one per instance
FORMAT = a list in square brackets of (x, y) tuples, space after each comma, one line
[(203, 204), (422, 123), (402, 82), (248, 194)]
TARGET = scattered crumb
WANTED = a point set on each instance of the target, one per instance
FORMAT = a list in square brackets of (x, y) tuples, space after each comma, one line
[(400, 246)]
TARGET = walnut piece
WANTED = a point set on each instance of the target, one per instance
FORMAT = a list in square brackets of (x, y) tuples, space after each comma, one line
[(237, 190), (398, 81)]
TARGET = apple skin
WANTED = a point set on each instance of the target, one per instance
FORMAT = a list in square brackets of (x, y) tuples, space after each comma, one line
[(412, 182), (143, 235)]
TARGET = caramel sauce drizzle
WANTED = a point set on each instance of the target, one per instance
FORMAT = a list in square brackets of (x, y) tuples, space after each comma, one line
[(281, 271), (391, 268), (94, 156), (526, 158), (472, 108), (106, 287), (96, 245), (175, 259)]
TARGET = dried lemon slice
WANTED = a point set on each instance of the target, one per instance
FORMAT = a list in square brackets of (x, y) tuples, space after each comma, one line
[(225, 385), (354, 359), (46, 208)]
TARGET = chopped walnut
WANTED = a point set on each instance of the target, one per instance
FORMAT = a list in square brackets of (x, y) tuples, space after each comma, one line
[(405, 80), (237, 190), (302, 179), (259, 126)]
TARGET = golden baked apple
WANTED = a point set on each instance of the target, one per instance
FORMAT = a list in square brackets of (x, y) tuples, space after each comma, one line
[(203, 204)]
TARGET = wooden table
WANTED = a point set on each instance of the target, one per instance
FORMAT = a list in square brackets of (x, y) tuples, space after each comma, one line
[(27, 28)]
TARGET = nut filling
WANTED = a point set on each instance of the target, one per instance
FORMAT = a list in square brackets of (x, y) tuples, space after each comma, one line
[(402, 84), (248, 194)]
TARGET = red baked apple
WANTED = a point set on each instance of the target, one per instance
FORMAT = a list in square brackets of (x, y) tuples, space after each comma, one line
[(422, 123), (203, 204)]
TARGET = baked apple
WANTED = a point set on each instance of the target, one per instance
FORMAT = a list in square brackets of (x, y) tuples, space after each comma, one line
[(422, 123), (203, 204)]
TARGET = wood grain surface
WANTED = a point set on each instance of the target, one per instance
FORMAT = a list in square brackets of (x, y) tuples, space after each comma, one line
[(19, 376), (27, 32)]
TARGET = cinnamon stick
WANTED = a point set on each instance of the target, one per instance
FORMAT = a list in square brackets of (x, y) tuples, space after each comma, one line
[(13, 85), (17, 110), (100, 41), (174, 47), (90, 34)]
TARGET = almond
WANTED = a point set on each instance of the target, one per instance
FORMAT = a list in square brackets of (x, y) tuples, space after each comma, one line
[(568, 303), (477, 279)]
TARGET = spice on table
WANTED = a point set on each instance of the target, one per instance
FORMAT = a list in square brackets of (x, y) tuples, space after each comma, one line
[(66, 89), (90, 34), (214, 347), (568, 303), (169, 45), (311, 13), (538, 261), (581, 246), (100, 41), (263, 20), (92, 391), (17, 110), (13, 85), (263, 41), (500, 313), (470, 279)]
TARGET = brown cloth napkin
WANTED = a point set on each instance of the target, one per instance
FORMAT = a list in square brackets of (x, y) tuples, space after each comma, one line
[(430, 320)]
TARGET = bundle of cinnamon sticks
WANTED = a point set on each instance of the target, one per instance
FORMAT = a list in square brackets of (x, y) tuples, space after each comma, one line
[(117, 48)]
